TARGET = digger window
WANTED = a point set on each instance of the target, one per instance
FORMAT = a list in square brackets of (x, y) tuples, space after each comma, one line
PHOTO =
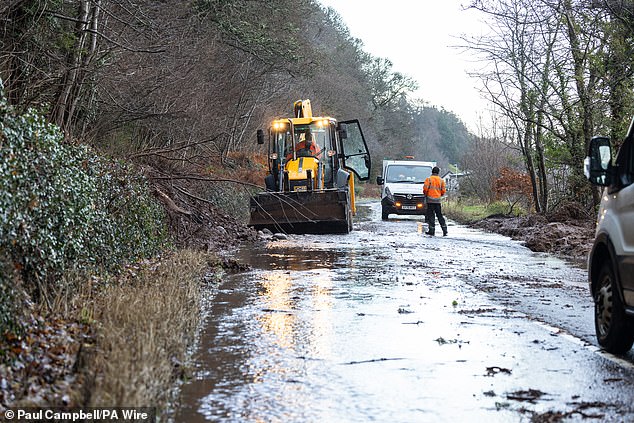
[(355, 151), (321, 134), (278, 146), (317, 133)]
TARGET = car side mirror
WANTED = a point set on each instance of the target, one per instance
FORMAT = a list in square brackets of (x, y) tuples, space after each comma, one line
[(260, 136), (379, 180), (597, 166)]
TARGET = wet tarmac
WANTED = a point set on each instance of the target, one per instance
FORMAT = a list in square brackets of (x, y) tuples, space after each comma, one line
[(386, 324)]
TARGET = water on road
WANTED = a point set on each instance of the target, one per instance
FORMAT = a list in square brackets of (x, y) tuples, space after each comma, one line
[(386, 324)]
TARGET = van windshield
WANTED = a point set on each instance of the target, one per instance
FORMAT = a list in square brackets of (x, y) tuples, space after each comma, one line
[(407, 174)]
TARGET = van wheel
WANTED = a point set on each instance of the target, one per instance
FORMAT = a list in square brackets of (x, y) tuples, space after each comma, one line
[(614, 329)]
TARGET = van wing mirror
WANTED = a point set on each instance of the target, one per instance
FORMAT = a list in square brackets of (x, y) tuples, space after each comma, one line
[(597, 166), (379, 180)]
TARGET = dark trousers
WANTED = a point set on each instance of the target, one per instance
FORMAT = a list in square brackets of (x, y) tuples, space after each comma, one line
[(433, 210)]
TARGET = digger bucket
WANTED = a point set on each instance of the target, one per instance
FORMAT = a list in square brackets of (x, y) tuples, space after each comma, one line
[(302, 212)]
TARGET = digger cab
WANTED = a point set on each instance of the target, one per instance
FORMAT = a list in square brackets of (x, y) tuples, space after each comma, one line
[(336, 147)]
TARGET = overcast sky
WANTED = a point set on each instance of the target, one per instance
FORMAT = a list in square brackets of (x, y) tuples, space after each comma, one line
[(417, 37)]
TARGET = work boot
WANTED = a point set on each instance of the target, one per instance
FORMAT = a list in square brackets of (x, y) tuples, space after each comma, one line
[(430, 232), (444, 230)]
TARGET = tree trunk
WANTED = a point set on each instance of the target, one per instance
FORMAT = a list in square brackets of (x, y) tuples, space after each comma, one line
[(580, 137), (78, 61)]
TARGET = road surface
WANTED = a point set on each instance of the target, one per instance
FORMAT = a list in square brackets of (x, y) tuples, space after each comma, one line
[(386, 324)]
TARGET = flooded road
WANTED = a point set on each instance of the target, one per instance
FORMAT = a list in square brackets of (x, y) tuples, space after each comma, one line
[(386, 324)]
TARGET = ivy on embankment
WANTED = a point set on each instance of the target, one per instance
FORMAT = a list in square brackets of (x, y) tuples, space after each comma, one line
[(64, 210)]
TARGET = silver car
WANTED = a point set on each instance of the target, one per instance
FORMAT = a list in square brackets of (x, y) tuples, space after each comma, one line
[(611, 260)]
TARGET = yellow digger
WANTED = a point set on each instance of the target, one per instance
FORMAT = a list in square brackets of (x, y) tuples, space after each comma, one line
[(310, 185)]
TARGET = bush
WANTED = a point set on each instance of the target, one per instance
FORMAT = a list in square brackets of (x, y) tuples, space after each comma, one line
[(230, 199), (514, 187), (12, 299), (64, 208)]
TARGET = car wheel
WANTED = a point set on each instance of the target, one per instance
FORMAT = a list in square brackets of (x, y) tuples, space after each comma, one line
[(614, 329)]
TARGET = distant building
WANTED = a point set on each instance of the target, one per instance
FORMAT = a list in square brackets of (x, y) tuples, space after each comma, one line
[(452, 178)]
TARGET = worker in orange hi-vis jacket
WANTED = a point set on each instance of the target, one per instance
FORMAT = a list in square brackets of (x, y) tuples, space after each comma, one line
[(434, 188), (307, 147)]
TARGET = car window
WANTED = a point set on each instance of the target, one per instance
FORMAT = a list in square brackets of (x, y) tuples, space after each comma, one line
[(625, 163)]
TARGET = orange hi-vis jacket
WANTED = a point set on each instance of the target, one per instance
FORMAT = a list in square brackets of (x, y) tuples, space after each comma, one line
[(434, 188), (315, 150)]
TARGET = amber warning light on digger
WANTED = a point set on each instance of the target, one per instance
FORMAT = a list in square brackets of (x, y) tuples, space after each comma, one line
[(409, 157)]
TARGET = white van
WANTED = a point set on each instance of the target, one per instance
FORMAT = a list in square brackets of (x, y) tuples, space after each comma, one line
[(402, 191), (611, 260)]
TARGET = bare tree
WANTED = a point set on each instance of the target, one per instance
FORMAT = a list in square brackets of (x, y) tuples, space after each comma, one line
[(387, 86), (491, 150), (513, 84), (543, 57)]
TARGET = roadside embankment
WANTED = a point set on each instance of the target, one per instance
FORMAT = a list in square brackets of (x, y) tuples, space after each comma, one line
[(144, 325), (121, 342), (100, 280)]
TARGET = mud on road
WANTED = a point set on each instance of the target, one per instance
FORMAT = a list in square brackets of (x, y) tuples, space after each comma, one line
[(568, 234), (387, 324)]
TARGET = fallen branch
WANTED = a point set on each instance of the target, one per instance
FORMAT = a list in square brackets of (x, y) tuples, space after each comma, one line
[(188, 194), (171, 204), (161, 151)]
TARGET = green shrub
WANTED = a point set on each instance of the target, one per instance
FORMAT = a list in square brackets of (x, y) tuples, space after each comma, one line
[(135, 223), (230, 199), (62, 207), (11, 297)]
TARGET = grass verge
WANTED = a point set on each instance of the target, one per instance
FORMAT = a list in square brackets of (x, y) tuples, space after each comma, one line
[(468, 211), (121, 342), (145, 325)]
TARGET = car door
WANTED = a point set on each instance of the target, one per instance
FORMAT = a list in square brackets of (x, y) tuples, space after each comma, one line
[(623, 207)]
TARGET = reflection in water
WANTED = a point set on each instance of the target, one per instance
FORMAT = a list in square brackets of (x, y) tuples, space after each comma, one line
[(319, 340), (279, 319), (294, 330), (283, 320), (289, 306)]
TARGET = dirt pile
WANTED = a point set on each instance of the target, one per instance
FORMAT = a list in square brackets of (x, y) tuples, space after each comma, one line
[(207, 228), (197, 223), (567, 233)]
